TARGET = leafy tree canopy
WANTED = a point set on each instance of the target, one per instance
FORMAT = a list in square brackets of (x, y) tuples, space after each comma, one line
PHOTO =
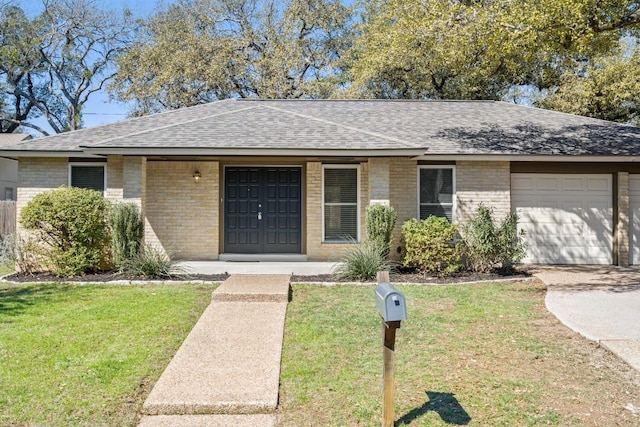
[(481, 49), (50, 65), (202, 50)]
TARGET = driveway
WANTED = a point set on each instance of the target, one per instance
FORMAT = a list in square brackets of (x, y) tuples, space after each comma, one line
[(602, 303)]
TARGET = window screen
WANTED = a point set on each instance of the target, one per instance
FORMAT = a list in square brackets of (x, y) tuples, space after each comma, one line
[(91, 177), (436, 192), (340, 204)]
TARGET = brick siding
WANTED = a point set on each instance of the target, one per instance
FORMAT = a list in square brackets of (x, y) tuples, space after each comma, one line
[(183, 216), (482, 182)]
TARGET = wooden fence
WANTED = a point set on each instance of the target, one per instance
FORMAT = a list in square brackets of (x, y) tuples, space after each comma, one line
[(7, 217)]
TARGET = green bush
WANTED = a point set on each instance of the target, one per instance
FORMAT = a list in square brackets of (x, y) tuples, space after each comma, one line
[(149, 262), (362, 262), (490, 247), (71, 222), (125, 224), (380, 221), (7, 250), (429, 245)]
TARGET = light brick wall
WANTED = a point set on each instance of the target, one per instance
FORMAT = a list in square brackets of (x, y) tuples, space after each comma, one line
[(182, 216), (316, 250), (379, 179), (114, 190), (37, 175), (482, 182), (623, 219), (403, 184)]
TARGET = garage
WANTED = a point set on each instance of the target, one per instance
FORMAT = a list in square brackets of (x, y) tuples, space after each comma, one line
[(567, 218)]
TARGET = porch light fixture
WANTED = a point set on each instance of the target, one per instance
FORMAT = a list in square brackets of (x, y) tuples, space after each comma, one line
[(197, 176)]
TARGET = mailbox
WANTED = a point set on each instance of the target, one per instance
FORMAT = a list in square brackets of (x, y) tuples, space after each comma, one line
[(390, 303)]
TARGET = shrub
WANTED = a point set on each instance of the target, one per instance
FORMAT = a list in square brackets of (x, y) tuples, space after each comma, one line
[(429, 245), (125, 224), (489, 247), (362, 262), (149, 262), (380, 220), (71, 222), (7, 250), (28, 254)]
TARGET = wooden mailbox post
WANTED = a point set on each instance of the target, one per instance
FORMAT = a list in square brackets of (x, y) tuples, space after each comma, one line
[(392, 309)]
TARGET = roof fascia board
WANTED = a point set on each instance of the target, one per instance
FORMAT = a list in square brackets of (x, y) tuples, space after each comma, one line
[(254, 152), (530, 158), (34, 153)]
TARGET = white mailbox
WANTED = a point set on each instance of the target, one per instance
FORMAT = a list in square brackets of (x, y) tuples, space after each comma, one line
[(390, 303)]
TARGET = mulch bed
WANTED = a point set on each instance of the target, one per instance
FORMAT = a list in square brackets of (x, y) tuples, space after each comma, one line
[(395, 277)]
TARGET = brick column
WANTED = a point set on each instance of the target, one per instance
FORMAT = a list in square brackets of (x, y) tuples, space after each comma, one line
[(379, 180), (403, 192), (623, 219), (134, 183), (114, 191)]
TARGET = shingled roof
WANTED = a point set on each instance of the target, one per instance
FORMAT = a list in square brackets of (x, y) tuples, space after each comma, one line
[(347, 127)]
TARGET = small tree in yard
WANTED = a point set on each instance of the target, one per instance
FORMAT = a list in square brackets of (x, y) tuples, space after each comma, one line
[(127, 229), (71, 222), (380, 220), (489, 246)]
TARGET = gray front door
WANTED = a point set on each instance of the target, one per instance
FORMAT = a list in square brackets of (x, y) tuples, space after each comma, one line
[(262, 210)]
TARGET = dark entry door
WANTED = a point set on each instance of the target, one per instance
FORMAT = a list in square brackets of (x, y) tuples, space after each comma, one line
[(262, 210)]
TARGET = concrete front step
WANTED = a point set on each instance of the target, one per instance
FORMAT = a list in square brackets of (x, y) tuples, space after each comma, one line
[(254, 288), (230, 362), (261, 420)]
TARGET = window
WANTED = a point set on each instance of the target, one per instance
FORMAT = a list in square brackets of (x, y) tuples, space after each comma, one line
[(436, 187), (8, 193), (91, 176), (340, 203)]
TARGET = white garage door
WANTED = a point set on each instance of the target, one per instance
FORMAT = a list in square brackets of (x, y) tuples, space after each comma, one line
[(568, 219), (634, 220)]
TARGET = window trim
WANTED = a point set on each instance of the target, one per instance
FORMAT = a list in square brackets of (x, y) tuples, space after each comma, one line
[(342, 166), (102, 165), (454, 197)]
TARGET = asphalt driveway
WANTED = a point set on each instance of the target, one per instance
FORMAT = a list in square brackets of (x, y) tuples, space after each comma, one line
[(602, 303)]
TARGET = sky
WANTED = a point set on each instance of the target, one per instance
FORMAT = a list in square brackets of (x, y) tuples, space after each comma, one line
[(99, 110)]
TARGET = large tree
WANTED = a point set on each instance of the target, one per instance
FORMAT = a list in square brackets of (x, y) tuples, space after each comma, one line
[(607, 88), (202, 50), (481, 49), (50, 65)]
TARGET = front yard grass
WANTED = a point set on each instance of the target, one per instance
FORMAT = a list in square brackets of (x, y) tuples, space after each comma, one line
[(88, 355), (478, 355)]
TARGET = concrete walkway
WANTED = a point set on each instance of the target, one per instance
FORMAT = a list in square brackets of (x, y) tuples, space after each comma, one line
[(254, 267), (227, 370), (602, 303)]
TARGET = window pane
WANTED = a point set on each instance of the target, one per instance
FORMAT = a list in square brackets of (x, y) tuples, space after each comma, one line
[(340, 223), (91, 177), (436, 210), (340, 185), (436, 185)]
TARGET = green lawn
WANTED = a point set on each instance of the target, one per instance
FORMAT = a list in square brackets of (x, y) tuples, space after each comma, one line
[(6, 269), (478, 355), (87, 355)]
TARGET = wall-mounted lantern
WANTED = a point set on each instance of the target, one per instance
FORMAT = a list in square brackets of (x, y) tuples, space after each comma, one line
[(197, 176)]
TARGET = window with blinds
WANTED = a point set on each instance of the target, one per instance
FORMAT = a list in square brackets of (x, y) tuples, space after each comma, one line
[(437, 191), (340, 203), (88, 176)]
